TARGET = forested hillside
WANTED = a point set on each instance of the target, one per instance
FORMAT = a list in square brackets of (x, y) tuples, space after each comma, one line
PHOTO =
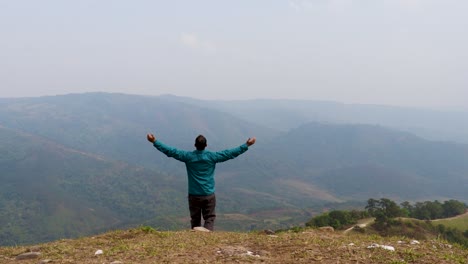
[(76, 164), (358, 161), (49, 191)]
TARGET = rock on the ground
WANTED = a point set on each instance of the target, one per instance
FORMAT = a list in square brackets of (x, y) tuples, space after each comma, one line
[(29, 255), (241, 251)]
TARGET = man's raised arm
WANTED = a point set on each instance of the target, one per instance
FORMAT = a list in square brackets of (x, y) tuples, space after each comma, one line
[(228, 154), (167, 150)]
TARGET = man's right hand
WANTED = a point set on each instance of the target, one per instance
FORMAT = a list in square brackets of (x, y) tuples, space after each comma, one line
[(150, 138), (250, 141)]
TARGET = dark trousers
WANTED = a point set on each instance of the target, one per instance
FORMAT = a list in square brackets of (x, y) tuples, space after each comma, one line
[(202, 205)]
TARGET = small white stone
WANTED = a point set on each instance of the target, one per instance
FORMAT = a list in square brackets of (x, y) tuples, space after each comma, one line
[(98, 252), (388, 247), (250, 253), (414, 242), (375, 245), (201, 229)]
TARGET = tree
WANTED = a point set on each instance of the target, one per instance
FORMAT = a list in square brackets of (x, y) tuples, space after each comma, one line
[(357, 214), (320, 220), (453, 208), (407, 208), (383, 209), (390, 208), (372, 206), (336, 218), (421, 211), (342, 218), (435, 209)]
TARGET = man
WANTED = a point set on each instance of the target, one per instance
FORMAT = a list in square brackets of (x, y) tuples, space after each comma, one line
[(200, 165)]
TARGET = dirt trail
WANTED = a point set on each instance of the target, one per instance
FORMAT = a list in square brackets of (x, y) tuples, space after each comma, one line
[(362, 223)]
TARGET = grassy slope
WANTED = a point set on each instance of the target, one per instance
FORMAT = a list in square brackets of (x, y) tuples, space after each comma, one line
[(459, 222), (311, 246)]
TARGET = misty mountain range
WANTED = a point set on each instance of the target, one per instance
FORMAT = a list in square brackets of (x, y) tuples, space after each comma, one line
[(80, 163)]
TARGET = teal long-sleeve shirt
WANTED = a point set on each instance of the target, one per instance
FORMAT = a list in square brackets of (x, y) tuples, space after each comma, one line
[(200, 165)]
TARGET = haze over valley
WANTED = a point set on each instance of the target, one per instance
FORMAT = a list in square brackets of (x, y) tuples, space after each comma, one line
[(79, 164)]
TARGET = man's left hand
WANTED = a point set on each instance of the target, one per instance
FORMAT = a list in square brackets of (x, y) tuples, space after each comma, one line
[(150, 138)]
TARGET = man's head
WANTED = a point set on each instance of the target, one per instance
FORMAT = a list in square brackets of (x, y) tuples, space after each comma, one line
[(200, 142)]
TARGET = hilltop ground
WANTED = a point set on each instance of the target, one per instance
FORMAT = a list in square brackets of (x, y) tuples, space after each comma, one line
[(145, 245)]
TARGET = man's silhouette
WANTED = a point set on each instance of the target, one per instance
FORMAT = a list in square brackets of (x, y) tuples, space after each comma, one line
[(200, 165)]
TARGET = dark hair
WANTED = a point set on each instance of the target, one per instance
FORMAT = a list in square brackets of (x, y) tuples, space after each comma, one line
[(200, 142)]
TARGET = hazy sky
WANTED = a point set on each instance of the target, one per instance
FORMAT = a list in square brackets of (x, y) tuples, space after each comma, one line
[(399, 52)]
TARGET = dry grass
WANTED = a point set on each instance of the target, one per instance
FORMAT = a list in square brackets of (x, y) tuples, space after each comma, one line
[(145, 245)]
